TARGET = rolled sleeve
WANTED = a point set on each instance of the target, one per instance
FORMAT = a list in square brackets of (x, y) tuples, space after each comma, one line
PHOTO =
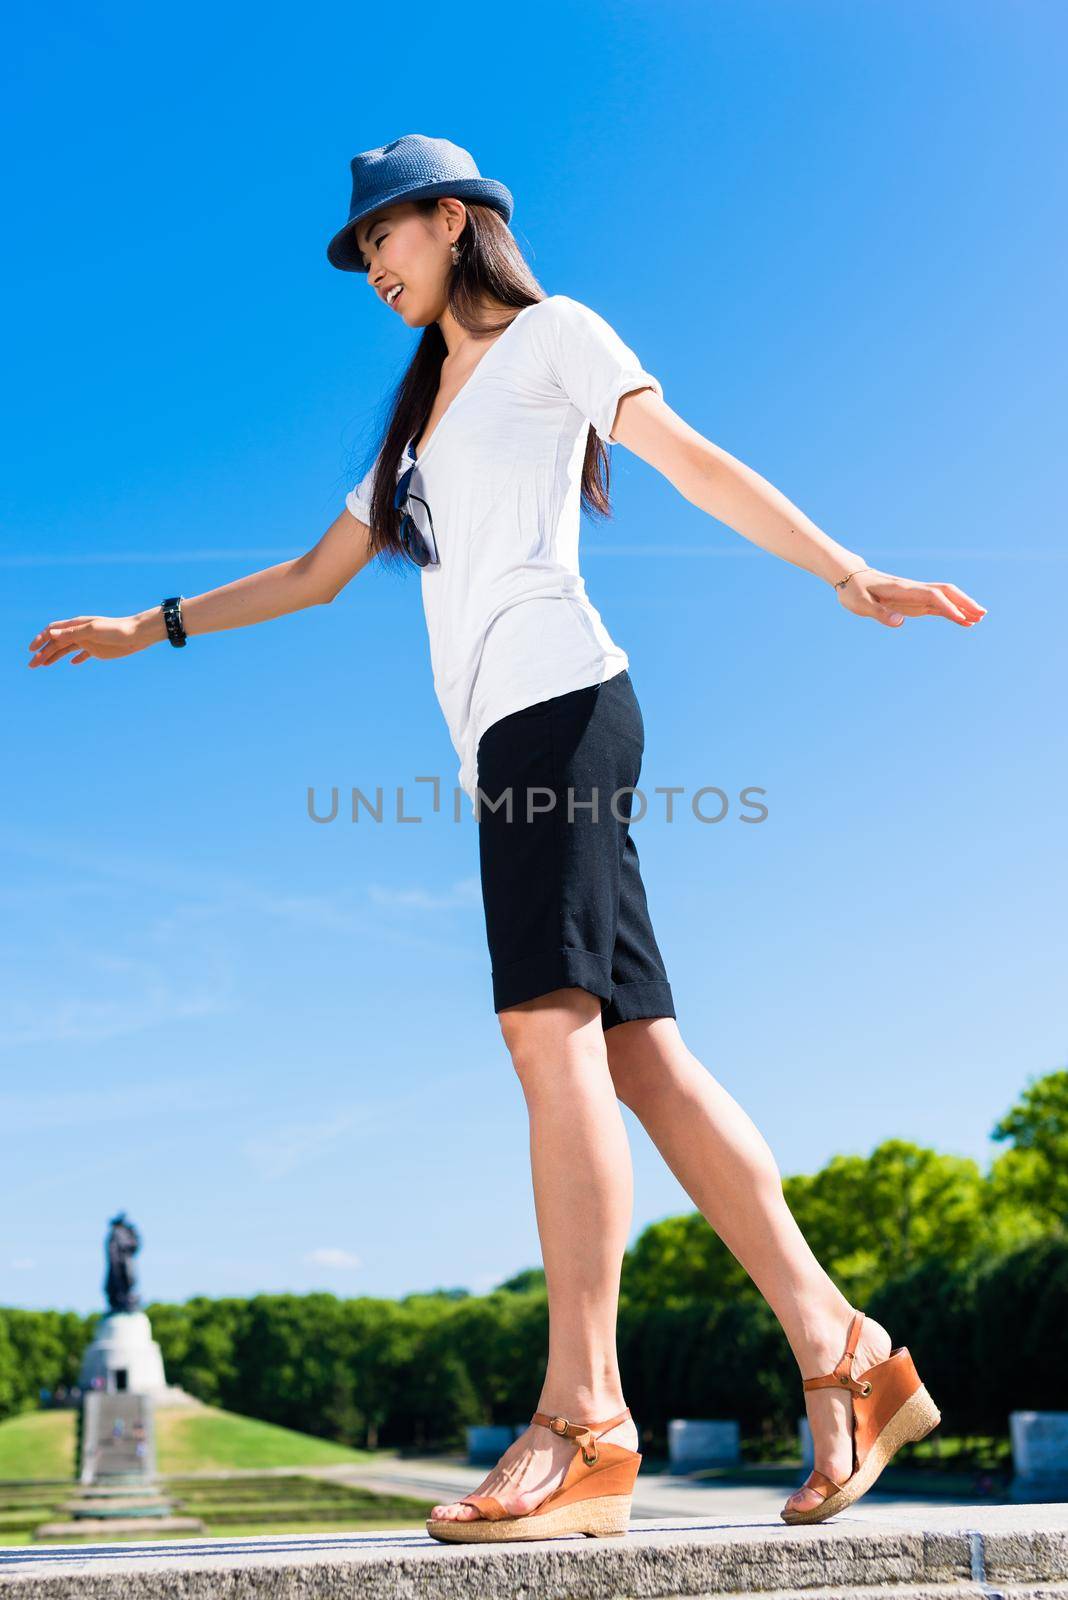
[(592, 364), (358, 499)]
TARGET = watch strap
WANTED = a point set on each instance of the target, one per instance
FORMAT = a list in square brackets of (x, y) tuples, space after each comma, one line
[(172, 619)]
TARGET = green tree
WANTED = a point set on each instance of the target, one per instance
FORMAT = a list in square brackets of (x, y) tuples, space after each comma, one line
[(1031, 1177), (384, 1341), (867, 1218), (1018, 1333), (872, 1218), (12, 1399), (678, 1260)]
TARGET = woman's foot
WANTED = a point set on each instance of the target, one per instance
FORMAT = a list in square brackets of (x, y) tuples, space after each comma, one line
[(830, 1411), (536, 1463)]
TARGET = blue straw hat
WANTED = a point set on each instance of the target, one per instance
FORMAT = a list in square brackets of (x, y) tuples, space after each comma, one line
[(413, 167)]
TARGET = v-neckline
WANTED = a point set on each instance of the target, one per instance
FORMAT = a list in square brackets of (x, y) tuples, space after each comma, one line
[(409, 449)]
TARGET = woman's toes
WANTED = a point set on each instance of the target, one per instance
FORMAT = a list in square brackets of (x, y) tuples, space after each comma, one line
[(802, 1499), (455, 1511)]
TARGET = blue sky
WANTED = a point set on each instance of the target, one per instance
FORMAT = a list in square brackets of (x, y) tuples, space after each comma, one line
[(836, 234)]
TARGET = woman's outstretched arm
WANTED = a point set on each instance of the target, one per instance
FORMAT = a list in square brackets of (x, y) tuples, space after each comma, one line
[(727, 489), (314, 578)]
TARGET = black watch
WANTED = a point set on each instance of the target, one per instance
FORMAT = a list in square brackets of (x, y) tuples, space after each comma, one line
[(172, 617)]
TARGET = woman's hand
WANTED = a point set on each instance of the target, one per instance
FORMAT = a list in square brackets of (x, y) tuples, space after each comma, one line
[(100, 638), (871, 593)]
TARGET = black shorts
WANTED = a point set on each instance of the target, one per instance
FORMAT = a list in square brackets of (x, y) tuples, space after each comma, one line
[(564, 900)]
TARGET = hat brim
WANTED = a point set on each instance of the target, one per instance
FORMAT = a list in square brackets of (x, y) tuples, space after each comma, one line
[(344, 253)]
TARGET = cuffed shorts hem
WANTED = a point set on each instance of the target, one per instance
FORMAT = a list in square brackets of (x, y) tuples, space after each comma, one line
[(630, 1001), (566, 968)]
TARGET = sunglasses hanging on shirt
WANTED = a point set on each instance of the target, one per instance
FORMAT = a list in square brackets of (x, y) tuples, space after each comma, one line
[(417, 525)]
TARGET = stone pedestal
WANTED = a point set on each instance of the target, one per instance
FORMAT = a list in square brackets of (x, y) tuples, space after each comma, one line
[(1039, 1455), (118, 1439), (124, 1358), (702, 1444), (485, 1444)]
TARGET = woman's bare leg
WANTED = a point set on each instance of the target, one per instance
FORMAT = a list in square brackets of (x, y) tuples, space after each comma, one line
[(727, 1168), (583, 1198)]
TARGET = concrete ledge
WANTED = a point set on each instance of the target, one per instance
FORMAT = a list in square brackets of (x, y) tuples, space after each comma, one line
[(931, 1554)]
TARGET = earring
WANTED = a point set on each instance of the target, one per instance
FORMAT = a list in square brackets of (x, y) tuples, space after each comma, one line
[(455, 254)]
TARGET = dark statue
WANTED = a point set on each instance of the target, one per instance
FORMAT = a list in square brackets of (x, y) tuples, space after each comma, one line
[(122, 1245)]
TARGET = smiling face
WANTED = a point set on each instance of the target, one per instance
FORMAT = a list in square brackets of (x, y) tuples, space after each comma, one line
[(406, 246)]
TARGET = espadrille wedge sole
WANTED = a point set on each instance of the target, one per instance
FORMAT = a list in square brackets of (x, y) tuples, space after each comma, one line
[(594, 1497), (891, 1407), (602, 1517)]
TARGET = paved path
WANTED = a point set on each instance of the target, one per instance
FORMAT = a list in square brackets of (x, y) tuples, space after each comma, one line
[(442, 1478)]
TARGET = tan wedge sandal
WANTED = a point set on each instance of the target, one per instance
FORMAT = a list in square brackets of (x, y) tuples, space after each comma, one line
[(594, 1497), (891, 1407)]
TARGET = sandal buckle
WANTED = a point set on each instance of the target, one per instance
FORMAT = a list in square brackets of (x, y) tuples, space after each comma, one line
[(585, 1445)]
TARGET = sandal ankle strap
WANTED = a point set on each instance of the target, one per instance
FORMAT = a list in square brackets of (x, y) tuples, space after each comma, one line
[(842, 1376), (584, 1433)]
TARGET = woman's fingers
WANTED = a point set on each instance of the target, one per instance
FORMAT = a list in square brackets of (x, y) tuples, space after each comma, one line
[(896, 598), (59, 639), (54, 652), (971, 608), (61, 622), (48, 642), (918, 599), (94, 638), (939, 604)]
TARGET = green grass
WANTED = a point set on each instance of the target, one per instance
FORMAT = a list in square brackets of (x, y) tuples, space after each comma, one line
[(210, 1439), (938, 1468), (38, 1444), (937, 1453), (232, 1507), (37, 1450), (226, 1503)]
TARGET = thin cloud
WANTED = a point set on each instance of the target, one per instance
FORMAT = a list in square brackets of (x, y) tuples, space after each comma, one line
[(137, 558), (465, 892), (28, 1109), (329, 1256), (892, 557), (280, 1150), (591, 546), (212, 896), (87, 1020)]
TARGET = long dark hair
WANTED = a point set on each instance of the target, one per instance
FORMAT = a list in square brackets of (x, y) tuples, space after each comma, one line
[(490, 271)]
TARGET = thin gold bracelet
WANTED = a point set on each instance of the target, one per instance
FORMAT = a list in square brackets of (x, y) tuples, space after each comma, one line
[(852, 574)]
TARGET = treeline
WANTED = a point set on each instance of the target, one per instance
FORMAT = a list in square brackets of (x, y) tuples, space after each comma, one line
[(970, 1270)]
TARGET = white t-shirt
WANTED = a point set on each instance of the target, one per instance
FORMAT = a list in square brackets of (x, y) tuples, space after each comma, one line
[(507, 612)]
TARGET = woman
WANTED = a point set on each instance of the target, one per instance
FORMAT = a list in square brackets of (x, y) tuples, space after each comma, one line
[(498, 433)]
